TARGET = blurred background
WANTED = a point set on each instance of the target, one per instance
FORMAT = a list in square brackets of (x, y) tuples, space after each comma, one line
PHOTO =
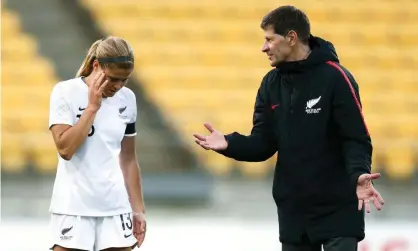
[(199, 61)]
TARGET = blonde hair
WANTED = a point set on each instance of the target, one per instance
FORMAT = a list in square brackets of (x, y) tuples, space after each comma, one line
[(110, 52)]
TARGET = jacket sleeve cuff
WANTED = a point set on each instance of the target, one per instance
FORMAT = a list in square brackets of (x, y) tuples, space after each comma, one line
[(228, 151), (354, 179)]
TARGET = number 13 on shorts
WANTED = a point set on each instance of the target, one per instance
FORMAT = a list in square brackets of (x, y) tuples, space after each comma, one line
[(126, 223)]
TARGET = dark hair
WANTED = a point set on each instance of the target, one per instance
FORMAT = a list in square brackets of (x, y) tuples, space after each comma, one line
[(287, 18)]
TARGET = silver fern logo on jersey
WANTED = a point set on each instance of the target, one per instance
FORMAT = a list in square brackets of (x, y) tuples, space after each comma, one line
[(121, 110), (310, 104)]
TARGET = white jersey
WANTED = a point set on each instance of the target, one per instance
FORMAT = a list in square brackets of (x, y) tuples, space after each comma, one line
[(92, 183)]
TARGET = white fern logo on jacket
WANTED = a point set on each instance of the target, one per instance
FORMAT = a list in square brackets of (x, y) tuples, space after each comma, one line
[(311, 103)]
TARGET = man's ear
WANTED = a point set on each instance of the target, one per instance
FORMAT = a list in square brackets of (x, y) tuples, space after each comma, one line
[(292, 37)]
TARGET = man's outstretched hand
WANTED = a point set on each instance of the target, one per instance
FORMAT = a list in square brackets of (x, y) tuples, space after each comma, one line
[(215, 141), (366, 192)]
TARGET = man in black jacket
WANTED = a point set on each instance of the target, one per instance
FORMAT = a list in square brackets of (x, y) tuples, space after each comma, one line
[(308, 110)]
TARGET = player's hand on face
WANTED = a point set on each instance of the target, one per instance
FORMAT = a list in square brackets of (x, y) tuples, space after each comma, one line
[(96, 90), (139, 227), (366, 192), (215, 141)]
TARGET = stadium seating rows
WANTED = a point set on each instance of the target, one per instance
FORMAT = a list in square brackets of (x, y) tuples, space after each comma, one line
[(205, 56), (27, 79)]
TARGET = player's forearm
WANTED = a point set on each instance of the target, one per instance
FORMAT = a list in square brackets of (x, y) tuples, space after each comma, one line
[(74, 137), (132, 176)]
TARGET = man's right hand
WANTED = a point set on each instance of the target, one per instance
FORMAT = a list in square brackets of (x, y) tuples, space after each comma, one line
[(215, 141)]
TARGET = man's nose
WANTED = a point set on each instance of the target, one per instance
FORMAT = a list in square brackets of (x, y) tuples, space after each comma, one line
[(264, 48)]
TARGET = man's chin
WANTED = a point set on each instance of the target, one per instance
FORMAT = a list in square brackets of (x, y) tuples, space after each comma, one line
[(273, 63)]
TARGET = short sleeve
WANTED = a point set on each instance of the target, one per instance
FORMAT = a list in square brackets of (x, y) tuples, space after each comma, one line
[(134, 110), (59, 109), (133, 113)]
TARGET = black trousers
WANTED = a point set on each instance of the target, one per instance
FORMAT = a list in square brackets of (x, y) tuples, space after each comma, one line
[(334, 244)]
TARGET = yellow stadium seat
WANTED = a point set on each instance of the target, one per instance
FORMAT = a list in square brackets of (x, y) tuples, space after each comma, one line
[(18, 47), (21, 95), (13, 155), (44, 154), (10, 22), (36, 122), (400, 159), (11, 121)]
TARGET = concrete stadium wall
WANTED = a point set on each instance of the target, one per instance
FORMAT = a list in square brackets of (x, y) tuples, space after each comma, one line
[(188, 234)]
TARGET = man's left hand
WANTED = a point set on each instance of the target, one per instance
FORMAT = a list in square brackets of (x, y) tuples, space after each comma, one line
[(366, 193)]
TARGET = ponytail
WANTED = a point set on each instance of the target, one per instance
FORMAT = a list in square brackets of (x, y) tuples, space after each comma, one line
[(87, 65)]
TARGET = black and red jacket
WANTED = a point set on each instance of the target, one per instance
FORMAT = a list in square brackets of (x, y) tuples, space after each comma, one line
[(309, 112)]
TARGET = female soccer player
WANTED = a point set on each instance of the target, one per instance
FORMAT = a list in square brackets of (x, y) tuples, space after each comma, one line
[(97, 201)]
